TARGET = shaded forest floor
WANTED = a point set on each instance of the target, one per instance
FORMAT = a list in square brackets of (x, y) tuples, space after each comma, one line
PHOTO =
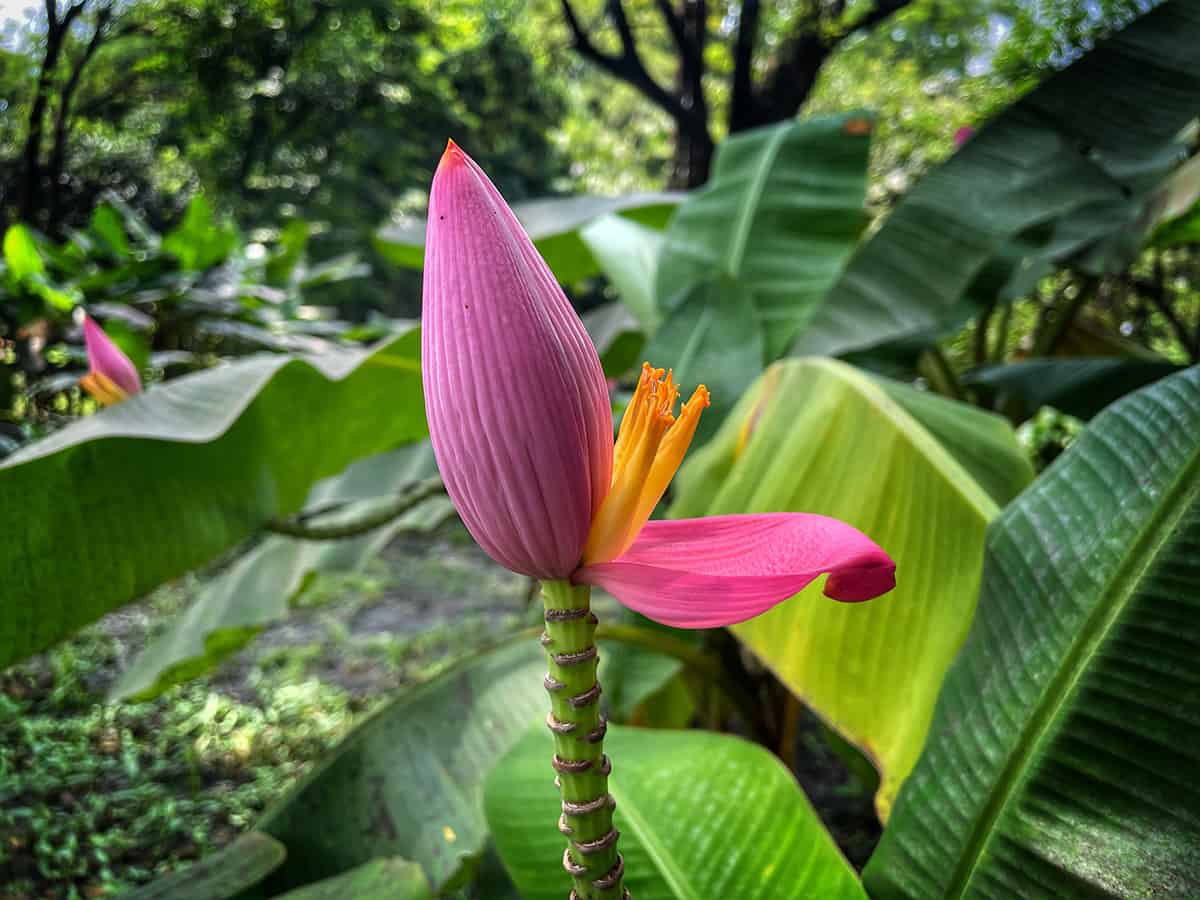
[(97, 798)]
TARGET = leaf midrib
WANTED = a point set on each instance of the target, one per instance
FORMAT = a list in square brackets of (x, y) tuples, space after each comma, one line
[(667, 867), (744, 222), (1154, 536)]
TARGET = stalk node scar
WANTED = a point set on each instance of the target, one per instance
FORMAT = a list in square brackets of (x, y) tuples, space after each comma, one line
[(566, 615), (573, 870), (612, 877), (570, 766), (574, 658), (599, 845), (558, 727), (596, 735), (584, 809), (587, 698)]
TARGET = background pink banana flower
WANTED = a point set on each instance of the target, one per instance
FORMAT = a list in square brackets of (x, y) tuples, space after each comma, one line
[(521, 425), (113, 377)]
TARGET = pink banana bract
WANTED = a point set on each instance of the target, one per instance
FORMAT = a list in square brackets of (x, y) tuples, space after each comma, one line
[(113, 377), (521, 426)]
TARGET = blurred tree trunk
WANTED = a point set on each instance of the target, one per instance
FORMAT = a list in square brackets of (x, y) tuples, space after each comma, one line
[(31, 156), (789, 77), (41, 183)]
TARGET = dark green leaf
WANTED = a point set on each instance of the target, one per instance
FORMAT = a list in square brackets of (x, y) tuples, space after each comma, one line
[(779, 217), (408, 782), (1078, 387), (1056, 176), (617, 336), (1062, 756), (232, 869), (715, 337)]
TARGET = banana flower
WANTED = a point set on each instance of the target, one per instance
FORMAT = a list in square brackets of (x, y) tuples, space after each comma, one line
[(112, 376), (521, 425)]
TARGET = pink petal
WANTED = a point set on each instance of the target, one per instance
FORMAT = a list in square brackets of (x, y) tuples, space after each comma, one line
[(962, 135), (106, 358), (518, 408), (705, 573)]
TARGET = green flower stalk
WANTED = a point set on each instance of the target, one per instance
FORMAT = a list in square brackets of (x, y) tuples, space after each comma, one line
[(591, 857)]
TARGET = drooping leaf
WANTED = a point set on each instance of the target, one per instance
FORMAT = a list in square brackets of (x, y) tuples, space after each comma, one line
[(1078, 387), (628, 254), (408, 781), (818, 436), (1054, 177), (980, 441), (712, 336), (233, 607), (21, 253), (617, 336), (199, 241), (165, 481), (220, 875), (106, 224), (554, 225), (381, 879), (25, 264), (779, 216), (1062, 757), (701, 815)]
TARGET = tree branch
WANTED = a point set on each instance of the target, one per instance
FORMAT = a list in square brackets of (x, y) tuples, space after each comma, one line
[(880, 11), (62, 119), (628, 65), (742, 100)]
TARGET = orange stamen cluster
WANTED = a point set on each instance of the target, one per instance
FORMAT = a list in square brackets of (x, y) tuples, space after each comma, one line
[(650, 447), (102, 388)]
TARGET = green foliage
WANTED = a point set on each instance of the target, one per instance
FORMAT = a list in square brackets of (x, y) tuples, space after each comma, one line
[(760, 836), (1070, 719), (554, 225), (258, 588), (1078, 387), (183, 472), (408, 781), (779, 218), (817, 436), (1052, 179), (198, 242), (243, 863), (381, 879)]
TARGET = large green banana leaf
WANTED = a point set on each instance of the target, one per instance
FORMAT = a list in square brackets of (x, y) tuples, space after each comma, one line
[(819, 436), (554, 224), (779, 217), (701, 815), (1068, 173), (232, 607), (408, 782), (1063, 755), (145, 491)]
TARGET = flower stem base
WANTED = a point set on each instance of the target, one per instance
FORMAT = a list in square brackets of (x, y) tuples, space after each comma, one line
[(591, 857)]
